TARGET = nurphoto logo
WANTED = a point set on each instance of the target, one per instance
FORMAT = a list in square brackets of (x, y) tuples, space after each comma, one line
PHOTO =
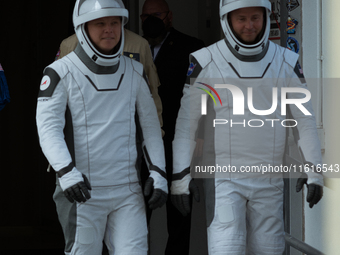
[(239, 104)]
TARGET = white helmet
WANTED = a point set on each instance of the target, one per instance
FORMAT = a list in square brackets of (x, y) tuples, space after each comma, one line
[(227, 6), (87, 10)]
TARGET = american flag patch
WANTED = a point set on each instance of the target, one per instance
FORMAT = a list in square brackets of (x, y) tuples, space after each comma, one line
[(300, 68)]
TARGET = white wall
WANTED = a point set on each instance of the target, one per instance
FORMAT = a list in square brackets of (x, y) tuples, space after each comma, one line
[(314, 227), (321, 60), (331, 66)]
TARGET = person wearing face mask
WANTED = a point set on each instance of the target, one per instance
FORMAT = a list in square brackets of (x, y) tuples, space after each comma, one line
[(170, 49)]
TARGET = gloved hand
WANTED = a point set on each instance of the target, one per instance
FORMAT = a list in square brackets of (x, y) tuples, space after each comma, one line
[(315, 191), (75, 185), (180, 194), (157, 185)]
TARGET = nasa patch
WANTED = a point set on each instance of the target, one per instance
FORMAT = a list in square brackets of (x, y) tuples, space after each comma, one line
[(45, 83), (191, 68)]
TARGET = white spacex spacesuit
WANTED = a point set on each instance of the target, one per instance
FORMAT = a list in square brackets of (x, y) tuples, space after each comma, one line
[(100, 96), (244, 210)]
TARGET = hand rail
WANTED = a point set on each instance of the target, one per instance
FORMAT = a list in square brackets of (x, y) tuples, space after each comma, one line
[(290, 240), (301, 246)]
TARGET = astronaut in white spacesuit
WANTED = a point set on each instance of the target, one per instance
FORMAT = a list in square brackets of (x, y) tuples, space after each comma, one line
[(100, 95), (244, 209)]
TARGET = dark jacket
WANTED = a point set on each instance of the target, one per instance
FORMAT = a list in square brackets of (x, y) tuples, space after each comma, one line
[(172, 62)]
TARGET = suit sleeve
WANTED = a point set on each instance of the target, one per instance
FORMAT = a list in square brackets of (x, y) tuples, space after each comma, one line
[(50, 118), (187, 121), (305, 132), (152, 136)]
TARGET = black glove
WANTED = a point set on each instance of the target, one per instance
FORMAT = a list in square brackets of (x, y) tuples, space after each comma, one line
[(315, 191), (158, 198), (79, 192), (183, 202)]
